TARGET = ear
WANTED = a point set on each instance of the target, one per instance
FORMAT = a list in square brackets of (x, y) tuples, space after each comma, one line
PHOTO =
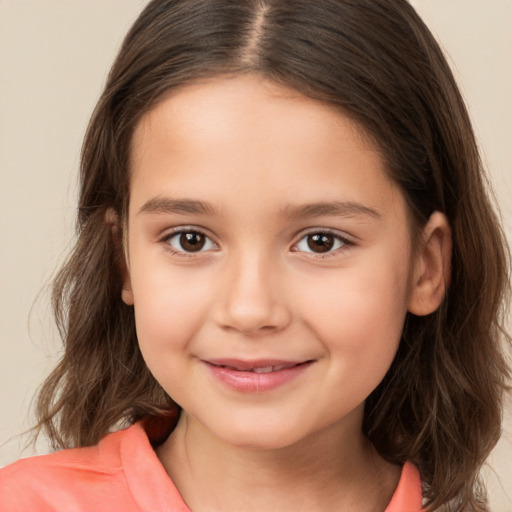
[(116, 230), (126, 291), (431, 268)]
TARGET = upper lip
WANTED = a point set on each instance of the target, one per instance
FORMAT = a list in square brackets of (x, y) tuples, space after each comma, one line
[(244, 365)]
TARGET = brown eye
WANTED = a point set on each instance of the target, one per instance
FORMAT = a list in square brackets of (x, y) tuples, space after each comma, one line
[(321, 242), (189, 242), (192, 242)]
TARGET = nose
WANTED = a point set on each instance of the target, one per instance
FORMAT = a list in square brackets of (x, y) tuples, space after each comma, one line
[(252, 299)]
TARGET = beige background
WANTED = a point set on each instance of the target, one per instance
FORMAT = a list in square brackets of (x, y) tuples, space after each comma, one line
[(54, 56)]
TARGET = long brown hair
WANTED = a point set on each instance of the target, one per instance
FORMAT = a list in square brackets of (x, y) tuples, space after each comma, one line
[(440, 403)]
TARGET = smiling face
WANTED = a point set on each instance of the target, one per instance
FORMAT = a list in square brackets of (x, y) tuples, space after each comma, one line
[(269, 258)]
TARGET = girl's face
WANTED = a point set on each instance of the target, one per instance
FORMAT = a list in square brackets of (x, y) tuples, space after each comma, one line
[(269, 261)]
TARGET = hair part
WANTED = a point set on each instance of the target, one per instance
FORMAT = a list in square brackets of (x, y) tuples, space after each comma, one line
[(440, 403)]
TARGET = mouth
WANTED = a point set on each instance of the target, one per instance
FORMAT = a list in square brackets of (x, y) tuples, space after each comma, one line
[(256, 376), (256, 366)]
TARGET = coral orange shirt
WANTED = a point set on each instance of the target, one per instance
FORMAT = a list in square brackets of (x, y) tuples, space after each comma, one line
[(122, 473)]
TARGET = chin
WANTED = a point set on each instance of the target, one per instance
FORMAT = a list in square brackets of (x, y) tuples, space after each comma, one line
[(260, 434)]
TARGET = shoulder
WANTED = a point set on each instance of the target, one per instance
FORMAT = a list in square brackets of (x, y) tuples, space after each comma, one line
[(75, 479), (122, 472)]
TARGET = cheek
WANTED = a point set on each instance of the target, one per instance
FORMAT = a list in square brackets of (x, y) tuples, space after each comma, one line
[(359, 314), (169, 307)]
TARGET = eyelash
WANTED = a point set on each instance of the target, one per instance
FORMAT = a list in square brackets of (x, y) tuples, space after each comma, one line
[(345, 242), (166, 240)]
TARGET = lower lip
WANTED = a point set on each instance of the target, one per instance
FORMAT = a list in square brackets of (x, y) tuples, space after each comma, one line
[(251, 382)]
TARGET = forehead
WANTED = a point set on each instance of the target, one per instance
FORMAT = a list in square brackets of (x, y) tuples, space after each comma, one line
[(215, 109), (242, 136)]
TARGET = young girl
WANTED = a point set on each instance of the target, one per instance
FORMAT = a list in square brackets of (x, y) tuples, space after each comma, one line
[(288, 286)]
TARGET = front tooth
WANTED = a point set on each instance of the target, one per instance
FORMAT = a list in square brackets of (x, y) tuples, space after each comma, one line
[(265, 369)]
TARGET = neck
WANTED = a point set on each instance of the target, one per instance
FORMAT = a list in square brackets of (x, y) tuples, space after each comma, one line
[(330, 470)]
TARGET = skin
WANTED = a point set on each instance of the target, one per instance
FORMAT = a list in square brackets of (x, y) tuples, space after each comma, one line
[(258, 153)]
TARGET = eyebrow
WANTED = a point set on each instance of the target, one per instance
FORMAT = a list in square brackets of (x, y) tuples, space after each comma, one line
[(179, 206), (165, 205), (330, 208)]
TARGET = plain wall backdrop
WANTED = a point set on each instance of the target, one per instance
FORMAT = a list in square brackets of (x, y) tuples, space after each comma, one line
[(54, 57)]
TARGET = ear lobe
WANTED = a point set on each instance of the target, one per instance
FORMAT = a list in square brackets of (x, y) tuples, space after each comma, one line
[(126, 293), (112, 218), (431, 271)]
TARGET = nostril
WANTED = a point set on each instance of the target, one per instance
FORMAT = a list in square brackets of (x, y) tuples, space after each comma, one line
[(251, 300)]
